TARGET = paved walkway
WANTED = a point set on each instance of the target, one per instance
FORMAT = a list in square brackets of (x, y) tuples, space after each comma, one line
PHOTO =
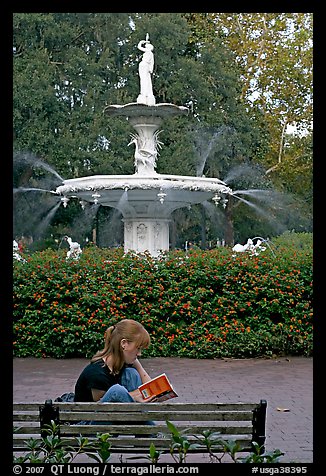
[(286, 383)]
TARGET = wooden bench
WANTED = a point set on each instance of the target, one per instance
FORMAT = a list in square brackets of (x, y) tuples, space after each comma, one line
[(126, 423)]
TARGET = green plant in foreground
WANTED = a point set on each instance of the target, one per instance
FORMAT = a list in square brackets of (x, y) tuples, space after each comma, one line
[(180, 444), (257, 457), (53, 449), (231, 448), (153, 455), (209, 439), (101, 448)]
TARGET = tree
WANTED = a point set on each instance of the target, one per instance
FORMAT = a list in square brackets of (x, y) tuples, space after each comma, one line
[(274, 54)]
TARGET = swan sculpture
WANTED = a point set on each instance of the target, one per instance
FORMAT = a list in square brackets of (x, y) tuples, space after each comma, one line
[(75, 249)]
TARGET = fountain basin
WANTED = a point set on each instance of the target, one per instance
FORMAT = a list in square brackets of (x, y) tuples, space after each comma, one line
[(145, 202), (137, 110), (144, 196)]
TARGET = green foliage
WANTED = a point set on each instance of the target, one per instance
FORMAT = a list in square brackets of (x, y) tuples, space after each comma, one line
[(180, 445), (209, 439), (53, 449), (216, 447), (101, 448), (200, 304), (298, 241), (257, 456), (153, 455)]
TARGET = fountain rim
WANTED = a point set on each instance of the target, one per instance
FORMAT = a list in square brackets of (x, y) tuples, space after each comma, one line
[(135, 109), (97, 182)]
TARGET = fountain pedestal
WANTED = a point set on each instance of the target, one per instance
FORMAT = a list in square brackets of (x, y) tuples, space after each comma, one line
[(146, 121), (146, 235), (146, 143)]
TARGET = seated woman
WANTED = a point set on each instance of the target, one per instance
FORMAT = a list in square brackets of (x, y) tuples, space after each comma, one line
[(115, 373)]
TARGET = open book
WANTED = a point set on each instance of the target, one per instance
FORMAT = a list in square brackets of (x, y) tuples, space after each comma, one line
[(159, 386)]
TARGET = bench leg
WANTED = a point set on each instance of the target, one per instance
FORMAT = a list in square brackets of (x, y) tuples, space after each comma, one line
[(259, 425), (48, 413)]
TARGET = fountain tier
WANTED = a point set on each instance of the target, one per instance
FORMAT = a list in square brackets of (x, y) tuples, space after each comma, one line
[(145, 202)]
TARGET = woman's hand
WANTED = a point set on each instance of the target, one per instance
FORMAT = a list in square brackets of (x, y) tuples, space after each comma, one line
[(142, 372), (138, 397)]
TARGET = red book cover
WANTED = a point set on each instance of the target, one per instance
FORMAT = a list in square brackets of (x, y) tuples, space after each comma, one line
[(160, 387)]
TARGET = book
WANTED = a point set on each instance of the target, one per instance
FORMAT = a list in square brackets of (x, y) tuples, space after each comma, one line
[(159, 386)]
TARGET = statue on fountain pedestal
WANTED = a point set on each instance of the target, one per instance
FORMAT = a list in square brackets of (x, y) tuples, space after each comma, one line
[(146, 67), (146, 150), (74, 248), (16, 250)]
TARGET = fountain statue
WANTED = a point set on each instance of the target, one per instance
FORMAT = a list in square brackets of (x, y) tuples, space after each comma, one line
[(16, 255), (74, 249), (146, 67), (252, 248), (145, 199)]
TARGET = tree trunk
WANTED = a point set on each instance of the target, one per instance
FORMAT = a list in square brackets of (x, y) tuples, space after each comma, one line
[(229, 230), (172, 231), (203, 228)]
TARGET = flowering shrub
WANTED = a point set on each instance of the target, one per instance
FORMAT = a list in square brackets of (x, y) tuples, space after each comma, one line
[(203, 304)]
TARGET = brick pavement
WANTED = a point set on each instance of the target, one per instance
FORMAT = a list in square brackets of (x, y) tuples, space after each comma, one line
[(284, 383)]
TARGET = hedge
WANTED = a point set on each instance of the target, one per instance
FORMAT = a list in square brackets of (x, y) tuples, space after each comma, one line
[(200, 304)]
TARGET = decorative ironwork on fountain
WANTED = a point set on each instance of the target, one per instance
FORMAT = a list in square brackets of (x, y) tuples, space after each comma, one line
[(161, 195), (95, 197), (64, 201)]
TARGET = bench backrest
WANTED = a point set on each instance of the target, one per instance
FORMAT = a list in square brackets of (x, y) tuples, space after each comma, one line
[(242, 422)]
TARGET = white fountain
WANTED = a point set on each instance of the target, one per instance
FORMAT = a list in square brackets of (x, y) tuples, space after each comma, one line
[(145, 199)]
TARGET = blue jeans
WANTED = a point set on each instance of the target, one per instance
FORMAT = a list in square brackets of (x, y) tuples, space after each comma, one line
[(119, 393)]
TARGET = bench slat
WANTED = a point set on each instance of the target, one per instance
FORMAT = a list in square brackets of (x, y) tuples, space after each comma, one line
[(138, 429), (133, 444), (156, 415), (26, 417), (141, 429), (92, 406)]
